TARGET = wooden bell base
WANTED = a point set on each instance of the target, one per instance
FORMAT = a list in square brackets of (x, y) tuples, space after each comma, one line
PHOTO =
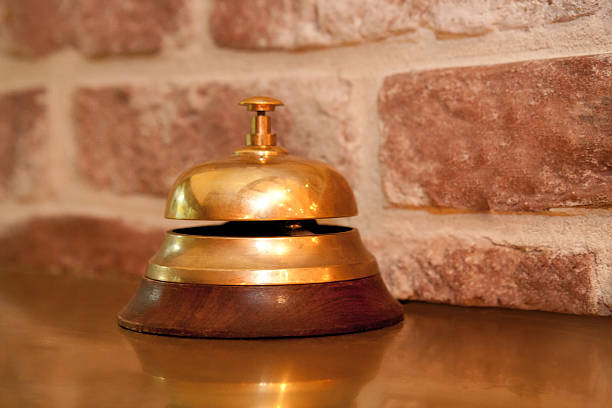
[(249, 311)]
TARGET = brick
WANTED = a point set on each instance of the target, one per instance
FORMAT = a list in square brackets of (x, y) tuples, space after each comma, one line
[(124, 27), (133, 139), (77, 244), (38, 27), (524, 136), (285, 24), (139, 139), (23, 136), (32, 27), (481, 273), (467, 18)]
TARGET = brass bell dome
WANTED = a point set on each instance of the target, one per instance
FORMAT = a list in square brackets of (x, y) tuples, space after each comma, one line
[(270, 270), (260, 182)]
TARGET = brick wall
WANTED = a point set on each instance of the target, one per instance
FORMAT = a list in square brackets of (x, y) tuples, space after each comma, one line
[(477, 135)]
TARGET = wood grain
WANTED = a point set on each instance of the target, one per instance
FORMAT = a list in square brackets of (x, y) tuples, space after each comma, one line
[(250, 311)]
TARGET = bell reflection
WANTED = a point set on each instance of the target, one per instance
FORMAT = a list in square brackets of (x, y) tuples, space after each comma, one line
[(272, 373)]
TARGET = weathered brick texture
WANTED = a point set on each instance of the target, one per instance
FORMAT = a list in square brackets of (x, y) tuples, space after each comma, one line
[(287, 24), (139, 139), (86, 246), (522, 136), (481, 273), (23, 138), (37, 27)]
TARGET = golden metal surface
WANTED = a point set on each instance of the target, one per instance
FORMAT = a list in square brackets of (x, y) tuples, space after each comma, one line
[(261, 125), (224, 260), (260, 103), (261, 132), (260, 182)]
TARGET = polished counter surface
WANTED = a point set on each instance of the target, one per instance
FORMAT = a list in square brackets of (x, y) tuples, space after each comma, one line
[(61, 347)]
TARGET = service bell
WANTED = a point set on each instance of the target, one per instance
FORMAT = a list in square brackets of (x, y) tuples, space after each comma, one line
[(270, 270)]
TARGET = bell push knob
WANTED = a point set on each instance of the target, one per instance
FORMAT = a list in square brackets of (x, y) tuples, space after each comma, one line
[(261, 125)]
